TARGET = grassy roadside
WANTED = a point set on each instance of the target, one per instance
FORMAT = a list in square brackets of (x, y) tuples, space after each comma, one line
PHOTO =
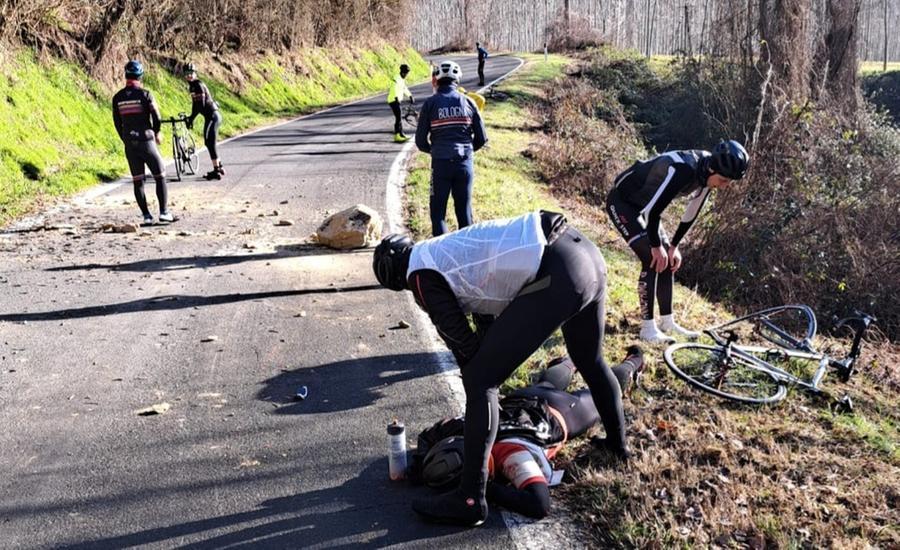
[(704, 473), (58, 136)]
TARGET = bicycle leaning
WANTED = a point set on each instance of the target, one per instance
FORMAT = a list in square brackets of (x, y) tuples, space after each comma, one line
[(746, 373), (184, 148)]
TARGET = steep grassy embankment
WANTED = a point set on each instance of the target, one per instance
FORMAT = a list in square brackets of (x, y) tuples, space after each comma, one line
[(58, 136), (705, 473)]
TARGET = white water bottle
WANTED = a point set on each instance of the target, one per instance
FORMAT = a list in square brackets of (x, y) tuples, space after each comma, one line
[(396, 450)]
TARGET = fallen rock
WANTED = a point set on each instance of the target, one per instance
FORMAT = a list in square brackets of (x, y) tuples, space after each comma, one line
[(284, 222), (355, 227), (159, 408), (120, 228), (211, 338)]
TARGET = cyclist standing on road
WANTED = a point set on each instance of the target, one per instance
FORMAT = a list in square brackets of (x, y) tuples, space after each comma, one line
[(482, 55), (137, 120), (398, 92), (535, 273), (202, 103), (450, 128), (635, 204)]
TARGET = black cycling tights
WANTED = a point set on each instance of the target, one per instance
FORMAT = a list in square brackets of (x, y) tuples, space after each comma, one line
[(650, 279), (211, 134), (574, 299), (162, 194)]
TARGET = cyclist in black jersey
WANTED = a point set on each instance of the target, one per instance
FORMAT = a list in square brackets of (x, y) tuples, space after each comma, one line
[(635, 204), (202, 103), (137, 120)]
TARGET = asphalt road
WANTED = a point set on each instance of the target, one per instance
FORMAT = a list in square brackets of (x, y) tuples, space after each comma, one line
[(95, 327)]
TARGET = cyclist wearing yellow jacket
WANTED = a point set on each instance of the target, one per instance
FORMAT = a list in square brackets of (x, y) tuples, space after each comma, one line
[(397, 93)]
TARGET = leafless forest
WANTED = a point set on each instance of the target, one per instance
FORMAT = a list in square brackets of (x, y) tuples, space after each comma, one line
[(649, 26)]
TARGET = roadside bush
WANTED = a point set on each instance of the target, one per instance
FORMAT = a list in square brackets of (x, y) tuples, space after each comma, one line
[(814, 222), (587, 141), (573, 34)]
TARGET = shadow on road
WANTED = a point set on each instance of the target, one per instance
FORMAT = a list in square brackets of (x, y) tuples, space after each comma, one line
[(367, 510), (192, 262), (172, 302), (344, 385)]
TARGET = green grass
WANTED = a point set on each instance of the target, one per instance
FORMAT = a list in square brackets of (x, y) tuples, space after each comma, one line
[(58, 136), (881, 435)]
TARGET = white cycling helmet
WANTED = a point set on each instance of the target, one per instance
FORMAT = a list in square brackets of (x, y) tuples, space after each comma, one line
[(449, 69)]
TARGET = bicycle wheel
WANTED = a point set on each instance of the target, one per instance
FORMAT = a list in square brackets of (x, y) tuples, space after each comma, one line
[(411, 117), (191, 156), (176, 154), (705, 368)]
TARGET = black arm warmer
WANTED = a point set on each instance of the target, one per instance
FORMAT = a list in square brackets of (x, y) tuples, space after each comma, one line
[(434, 295)]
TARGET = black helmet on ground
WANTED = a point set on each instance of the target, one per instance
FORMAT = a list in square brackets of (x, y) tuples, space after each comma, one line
[(391, 260), (730, 159), (442, 467)]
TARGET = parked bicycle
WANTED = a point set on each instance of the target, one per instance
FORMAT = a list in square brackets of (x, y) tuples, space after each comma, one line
[(184, 149), (747, 373)]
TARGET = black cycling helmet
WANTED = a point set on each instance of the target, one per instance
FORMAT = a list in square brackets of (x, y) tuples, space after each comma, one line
[(404, 68), (189, 69), (730, 159), (442, 467), (391, 259), (134, 69)]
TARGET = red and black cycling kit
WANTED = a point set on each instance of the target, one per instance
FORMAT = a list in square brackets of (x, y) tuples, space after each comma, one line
[(636, 203), (202, 103), (137, 121)]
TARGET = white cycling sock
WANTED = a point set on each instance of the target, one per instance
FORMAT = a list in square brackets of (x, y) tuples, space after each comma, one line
[(650, 333), (667, 324)]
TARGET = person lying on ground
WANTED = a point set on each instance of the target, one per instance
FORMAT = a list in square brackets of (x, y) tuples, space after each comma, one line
[(535, 424)]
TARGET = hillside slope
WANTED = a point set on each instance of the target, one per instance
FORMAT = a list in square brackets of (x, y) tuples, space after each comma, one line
[(58, 135)]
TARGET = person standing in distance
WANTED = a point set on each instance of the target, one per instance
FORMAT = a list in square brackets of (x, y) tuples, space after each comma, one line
[(635, 205), (450, 128), (536, 274), (137, 120), (202, 103), (482, 55), (398, 92)]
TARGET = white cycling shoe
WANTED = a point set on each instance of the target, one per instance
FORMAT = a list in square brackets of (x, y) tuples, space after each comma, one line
[(668, 325), (652, 335)]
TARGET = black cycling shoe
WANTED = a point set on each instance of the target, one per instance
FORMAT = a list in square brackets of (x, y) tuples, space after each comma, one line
[(213, 175), (453, 508), (635, 357)]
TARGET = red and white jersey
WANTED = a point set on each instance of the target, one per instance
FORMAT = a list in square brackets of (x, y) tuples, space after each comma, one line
[(521, 462)]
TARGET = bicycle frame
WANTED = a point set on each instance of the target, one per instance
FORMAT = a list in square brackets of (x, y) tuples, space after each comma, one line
[(789, 346)]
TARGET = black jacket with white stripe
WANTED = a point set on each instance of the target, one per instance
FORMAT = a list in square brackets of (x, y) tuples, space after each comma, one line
[(652, 184)]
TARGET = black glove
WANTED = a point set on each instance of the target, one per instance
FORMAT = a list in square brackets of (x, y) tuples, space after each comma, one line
[(411, 100)]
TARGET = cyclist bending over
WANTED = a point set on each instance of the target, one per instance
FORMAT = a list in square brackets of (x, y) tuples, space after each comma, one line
[(136, 117), (202, 103), (635, 204), (535, 273)]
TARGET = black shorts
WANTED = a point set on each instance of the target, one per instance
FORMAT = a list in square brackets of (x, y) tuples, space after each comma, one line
[(627, 219)]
